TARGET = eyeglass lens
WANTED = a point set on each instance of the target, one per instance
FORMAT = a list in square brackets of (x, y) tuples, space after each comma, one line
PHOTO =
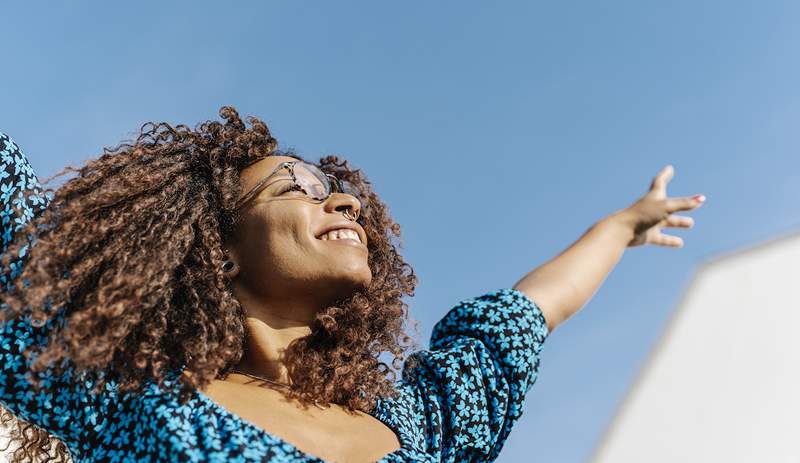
[(316, 184)]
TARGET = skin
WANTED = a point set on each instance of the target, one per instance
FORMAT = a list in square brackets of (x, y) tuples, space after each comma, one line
[(284, 275), (298, 274), (564, 284)]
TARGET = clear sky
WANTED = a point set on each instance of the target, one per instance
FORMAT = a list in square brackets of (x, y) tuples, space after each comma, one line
[(497, 133)]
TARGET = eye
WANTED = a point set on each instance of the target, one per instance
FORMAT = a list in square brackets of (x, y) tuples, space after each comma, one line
[(287, 188)]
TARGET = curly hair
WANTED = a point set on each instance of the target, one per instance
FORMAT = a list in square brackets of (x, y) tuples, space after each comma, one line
[(139, 306)]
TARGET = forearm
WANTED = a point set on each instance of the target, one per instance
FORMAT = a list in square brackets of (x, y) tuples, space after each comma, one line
[(565, 283)]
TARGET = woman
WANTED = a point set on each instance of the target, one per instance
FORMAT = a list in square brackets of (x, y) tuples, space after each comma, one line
[(199, 295)]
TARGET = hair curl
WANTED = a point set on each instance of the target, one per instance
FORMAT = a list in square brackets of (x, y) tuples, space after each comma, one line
[(140, 306)]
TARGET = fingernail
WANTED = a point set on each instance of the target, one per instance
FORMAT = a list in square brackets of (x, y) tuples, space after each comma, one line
[(699, 198)]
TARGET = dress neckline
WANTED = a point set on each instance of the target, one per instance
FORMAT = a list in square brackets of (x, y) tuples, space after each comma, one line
[(404, 443)]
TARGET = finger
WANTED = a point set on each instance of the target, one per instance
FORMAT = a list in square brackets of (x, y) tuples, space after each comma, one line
[(662, 178), (668, 241), (683, 204), (678, 221)]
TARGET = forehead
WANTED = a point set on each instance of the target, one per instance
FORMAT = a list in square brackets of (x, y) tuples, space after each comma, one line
[(260, 169)]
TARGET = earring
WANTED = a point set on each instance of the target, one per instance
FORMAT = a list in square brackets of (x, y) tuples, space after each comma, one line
[(228, 266)]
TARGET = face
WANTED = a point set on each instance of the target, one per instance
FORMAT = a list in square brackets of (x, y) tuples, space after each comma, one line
[(278, 246)]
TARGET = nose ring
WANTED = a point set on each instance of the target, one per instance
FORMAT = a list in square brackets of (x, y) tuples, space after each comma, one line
[(349, 216)]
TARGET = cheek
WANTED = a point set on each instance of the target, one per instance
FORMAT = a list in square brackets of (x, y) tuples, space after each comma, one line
[(277, 239)]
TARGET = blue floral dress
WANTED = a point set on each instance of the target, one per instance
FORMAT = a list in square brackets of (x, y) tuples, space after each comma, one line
[(483, 359)]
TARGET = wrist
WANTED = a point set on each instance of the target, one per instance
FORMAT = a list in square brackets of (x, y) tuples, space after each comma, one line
[(621, 224)]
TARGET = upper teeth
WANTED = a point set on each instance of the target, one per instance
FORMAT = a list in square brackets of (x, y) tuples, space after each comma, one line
[(341, 233)]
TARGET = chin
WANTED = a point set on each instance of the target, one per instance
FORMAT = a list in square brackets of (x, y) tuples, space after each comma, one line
[(356, 271), (352, 282), (361, 281)]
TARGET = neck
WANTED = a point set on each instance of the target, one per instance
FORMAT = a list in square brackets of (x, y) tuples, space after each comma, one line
[(266, 341), (270, 326)]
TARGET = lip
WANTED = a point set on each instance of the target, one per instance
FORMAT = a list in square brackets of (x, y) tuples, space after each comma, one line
[(346, 242), (348, 225)]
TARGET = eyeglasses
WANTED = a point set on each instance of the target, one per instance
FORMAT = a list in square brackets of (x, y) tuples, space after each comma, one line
[(308, 178)]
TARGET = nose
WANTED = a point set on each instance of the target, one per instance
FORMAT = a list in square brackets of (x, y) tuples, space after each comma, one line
[(339, 202)]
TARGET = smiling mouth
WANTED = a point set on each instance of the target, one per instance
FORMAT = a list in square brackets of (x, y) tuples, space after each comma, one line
[(344, 237), (346, 241), (341, 234)]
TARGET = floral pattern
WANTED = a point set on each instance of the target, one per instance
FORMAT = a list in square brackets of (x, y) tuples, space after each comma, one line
[(458, 406)]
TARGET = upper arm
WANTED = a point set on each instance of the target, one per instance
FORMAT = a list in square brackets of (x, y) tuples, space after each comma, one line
[(552, 318), (471, 384)]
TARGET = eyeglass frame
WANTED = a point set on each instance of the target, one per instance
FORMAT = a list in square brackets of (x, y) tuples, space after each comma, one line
[(290, 165)]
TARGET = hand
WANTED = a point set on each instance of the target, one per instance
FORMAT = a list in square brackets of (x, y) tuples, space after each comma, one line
[(653, 211)]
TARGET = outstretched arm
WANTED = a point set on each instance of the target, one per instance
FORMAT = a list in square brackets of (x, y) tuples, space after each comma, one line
[(63, 406), (564, 284)]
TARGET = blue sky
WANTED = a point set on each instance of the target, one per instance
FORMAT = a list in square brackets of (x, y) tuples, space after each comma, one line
[(497, 133)]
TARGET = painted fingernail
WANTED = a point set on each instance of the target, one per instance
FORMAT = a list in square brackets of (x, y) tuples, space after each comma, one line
[(699, 198)]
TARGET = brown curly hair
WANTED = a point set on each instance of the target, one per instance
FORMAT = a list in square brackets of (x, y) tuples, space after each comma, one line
[(140, 306)]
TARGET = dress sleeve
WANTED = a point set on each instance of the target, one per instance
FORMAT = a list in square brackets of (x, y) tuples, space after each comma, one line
[(471, 384), (64, 406)]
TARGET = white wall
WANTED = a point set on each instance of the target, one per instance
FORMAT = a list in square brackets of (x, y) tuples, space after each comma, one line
[(723, 383)]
